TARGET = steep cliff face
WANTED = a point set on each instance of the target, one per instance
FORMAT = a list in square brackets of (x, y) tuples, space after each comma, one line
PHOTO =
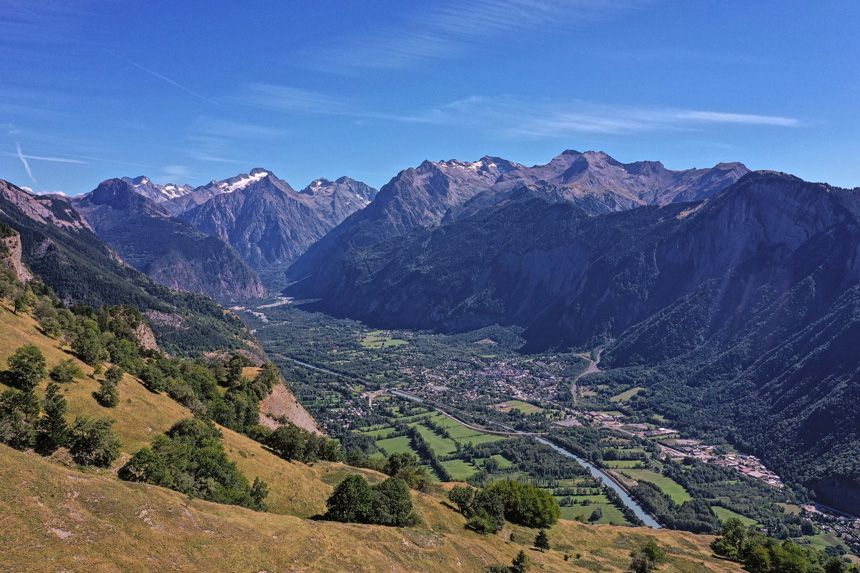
[(10, 254), (169, 250)]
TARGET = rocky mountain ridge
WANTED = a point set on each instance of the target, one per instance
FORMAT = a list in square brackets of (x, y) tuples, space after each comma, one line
[(169, 250)]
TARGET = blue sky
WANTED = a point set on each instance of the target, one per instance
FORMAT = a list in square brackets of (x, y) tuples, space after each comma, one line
[(188, 92)]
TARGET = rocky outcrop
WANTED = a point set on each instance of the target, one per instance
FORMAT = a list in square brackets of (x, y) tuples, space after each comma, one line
[(337, 200), (10, 257), (145, 337), (280, 406)]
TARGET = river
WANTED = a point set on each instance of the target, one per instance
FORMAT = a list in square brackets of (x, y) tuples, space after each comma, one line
[(594, 470)]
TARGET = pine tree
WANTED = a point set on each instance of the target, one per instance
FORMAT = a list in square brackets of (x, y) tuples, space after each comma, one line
[(521, 563), (53, 431), (542, 541)]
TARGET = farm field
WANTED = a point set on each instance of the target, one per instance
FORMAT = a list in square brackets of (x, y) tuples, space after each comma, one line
[(523, 407), (625, 396), (622, 464), (459, 469), (379, 339), (611, 514), (678, 494), (723, 514), (399, 445)]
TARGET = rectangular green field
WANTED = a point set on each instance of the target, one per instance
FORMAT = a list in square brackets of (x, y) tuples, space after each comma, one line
[(440, 445), (376, 339), (459, 469), (611, 514), (380, 433), (624, 396), (398, 445), (476, 439), (674, 490), (459, 431), (822, 540), (622, 464), (504, 463), (723, 514), (523, 407)]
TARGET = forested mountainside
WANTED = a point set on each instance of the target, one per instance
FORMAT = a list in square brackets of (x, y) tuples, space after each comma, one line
[(59, 245), (170, 251), (745, 302)]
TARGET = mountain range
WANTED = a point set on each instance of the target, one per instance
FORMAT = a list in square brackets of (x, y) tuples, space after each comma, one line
[(216, 239), (730, 295), (446, 191), (58, 245)]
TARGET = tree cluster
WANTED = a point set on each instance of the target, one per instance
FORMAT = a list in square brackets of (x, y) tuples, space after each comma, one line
[(293, 443), (190, 459), (762, 554), (387, 503), (520, 503)]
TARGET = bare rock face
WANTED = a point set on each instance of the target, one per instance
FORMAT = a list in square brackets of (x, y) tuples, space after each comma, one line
[(11, 246), (145, 337), (282, 404), (600, 184)]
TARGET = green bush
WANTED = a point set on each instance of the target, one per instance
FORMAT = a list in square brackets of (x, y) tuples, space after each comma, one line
[(93, 442), (27, 367)]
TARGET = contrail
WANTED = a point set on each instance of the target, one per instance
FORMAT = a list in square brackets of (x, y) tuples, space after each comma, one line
[(168, 80), (24, 161)]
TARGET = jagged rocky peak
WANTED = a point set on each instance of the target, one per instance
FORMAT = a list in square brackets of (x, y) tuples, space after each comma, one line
[(346, 186), (159, 193)]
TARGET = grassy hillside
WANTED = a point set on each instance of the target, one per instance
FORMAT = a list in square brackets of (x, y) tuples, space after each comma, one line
[(55, 516)]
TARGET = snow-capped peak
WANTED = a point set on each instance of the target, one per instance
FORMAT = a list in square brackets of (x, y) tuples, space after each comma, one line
[(242, 181)]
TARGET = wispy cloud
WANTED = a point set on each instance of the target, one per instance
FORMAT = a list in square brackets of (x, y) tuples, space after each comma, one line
[(718, 117), (518, 118), (447, 30), (24, 161), (168, 80), (291, 99), (42, 158), (215, 140)]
